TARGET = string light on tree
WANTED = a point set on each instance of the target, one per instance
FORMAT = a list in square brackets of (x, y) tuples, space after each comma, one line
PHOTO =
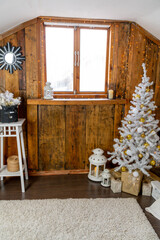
[(139, 144), (143, 135), (147, 89), (149, 111), (125, 152), (121, 139), (137, 96)]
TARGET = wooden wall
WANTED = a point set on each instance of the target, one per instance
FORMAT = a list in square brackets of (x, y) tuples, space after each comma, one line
[(66, 134), (130, 46)]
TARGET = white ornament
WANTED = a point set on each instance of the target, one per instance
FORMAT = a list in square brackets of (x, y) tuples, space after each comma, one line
[(135, 174), (140, 129), (129, 152), (135, 110), (152, 138), (114, 161), (115, 146)]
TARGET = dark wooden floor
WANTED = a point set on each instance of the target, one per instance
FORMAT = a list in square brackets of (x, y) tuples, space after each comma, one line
[(67, 186)]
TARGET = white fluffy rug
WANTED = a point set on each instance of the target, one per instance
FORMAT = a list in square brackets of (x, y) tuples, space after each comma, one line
[(72, 219)]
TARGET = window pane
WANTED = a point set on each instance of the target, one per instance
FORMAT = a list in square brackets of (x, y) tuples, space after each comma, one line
[(92, 59), (59, 58)]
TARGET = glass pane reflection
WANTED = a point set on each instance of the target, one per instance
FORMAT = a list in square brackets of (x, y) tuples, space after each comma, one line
[(92, 59), (59, 58)]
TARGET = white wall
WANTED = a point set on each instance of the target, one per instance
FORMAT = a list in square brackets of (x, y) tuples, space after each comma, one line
[(144, 12)]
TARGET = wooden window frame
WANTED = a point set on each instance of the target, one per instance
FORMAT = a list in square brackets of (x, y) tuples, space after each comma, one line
[(76, 83)]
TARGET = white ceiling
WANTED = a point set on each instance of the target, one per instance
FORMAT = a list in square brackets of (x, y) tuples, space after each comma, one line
[(144, 12)]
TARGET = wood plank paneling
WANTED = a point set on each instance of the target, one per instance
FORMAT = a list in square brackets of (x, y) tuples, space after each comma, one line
[(2, 76), (22, 73), (157, 86), (157, 112), (151, 57), (105, 127), (32, 135), (78, 127), (31, 61), (142, 50), (91, 130), (113, 60), (99, 128), (22, 109), (12, 85), (22, 113), (12, 80), (118, 116), (42, 58), (136, 58), (51, 137), (81, 101), (119, 53), (75, 137), (123, 54)]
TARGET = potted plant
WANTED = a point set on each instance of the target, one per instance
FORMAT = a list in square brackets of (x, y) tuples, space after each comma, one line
[(9, 107)]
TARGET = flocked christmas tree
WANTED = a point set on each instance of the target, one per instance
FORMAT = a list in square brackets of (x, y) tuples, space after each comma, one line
[(139, 144)]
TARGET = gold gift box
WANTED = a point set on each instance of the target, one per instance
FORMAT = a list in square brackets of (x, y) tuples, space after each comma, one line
[(131, 184)]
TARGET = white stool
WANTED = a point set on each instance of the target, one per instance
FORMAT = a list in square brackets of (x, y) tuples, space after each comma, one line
[(14, 129)]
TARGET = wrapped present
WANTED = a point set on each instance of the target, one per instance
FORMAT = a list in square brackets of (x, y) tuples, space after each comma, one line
[(146, 186), (146, 189), (156, 189), (131, 182), (116, 185)]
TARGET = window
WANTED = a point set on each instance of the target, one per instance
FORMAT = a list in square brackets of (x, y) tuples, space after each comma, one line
[(93, 60), (76, 58), (59, 58)]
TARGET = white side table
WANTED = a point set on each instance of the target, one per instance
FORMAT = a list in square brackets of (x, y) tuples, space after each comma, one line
[(14, 129)]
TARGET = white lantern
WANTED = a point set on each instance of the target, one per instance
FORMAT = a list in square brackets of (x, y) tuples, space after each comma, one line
[(48, 91), (97, 165), (106, 178)]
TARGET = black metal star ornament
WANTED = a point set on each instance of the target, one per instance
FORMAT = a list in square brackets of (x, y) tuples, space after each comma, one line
[(11, 58)]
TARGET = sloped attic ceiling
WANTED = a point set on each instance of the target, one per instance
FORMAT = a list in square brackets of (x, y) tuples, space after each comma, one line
[(144, 12)]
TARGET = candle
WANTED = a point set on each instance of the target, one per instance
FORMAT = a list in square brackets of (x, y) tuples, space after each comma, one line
[(110, 94), (95, 169)]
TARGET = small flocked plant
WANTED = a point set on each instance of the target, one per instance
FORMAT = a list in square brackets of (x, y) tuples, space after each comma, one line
[(139, 144), (7, 99)]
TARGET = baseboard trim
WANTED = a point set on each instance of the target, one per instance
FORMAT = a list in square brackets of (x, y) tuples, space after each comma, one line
[(57, 172)]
